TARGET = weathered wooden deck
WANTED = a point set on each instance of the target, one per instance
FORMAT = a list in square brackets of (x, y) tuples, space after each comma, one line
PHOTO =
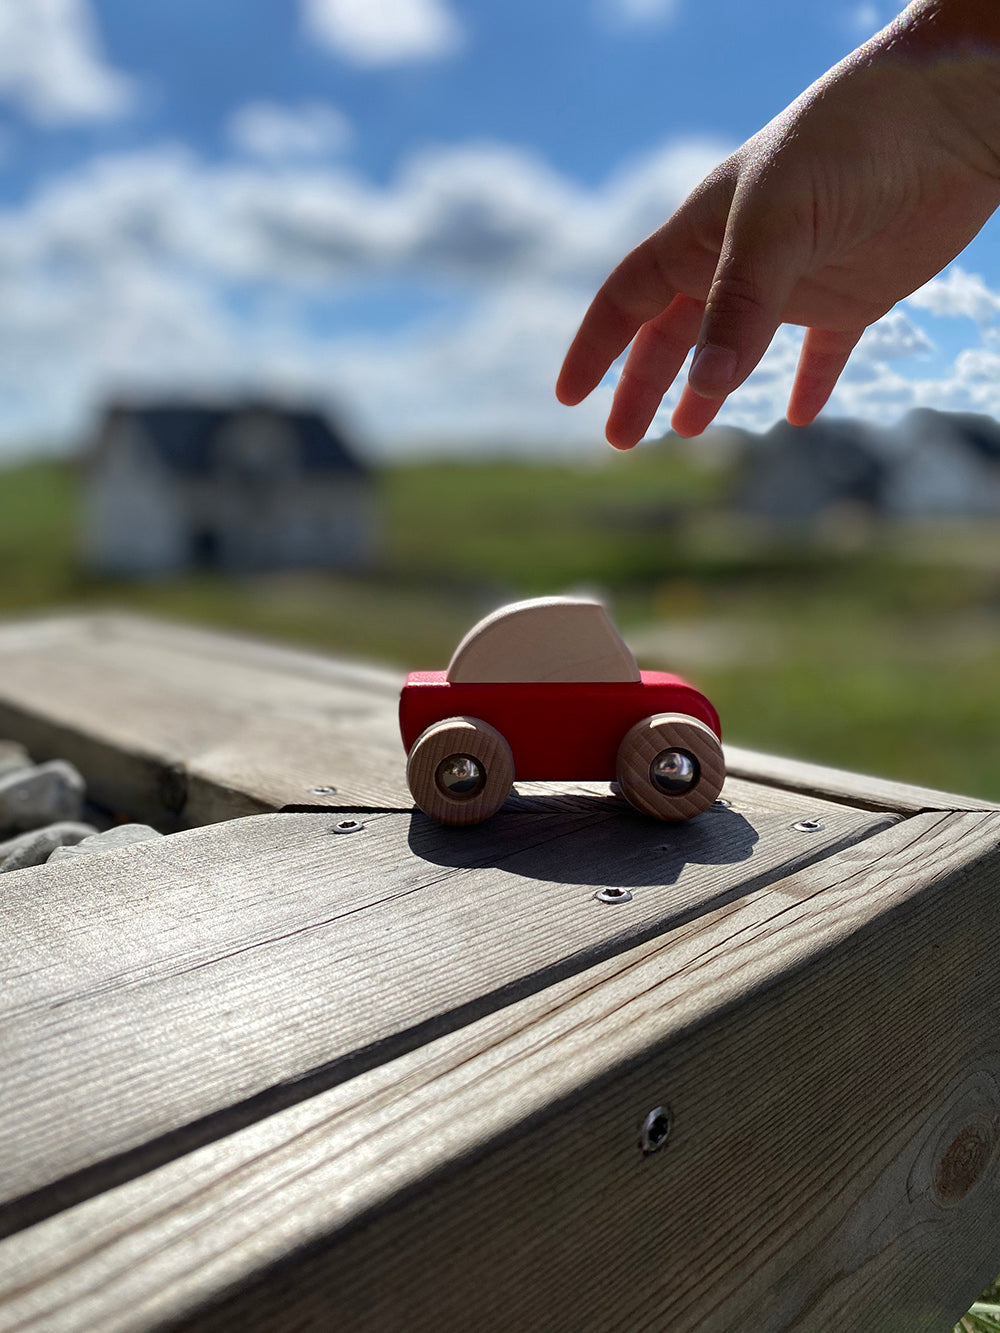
[(269, 1074)]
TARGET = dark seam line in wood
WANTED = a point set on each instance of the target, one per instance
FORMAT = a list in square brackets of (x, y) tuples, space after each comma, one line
[(36, 1206), (341, 810), (619, 808), (856, 802), (751, 934)]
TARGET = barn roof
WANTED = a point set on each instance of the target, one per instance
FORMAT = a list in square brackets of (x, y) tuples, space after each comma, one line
[(183, 434)]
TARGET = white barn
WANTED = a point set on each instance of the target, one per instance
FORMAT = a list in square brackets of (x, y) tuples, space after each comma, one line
[(171, 488)]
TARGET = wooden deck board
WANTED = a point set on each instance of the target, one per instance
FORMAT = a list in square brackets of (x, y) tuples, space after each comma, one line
[(825, 1044), (837, 784), (262, 1074), (166, 983), (181, 724)]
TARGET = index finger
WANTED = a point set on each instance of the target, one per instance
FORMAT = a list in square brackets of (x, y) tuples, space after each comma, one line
[(635, 292)]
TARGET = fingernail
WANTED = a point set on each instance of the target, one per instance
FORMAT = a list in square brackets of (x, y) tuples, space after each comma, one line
[(712, 370)]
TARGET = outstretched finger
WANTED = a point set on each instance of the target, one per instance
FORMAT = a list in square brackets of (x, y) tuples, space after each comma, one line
[(824, 355), (657, 355), (693, 414), (635, 292), (761, 262)]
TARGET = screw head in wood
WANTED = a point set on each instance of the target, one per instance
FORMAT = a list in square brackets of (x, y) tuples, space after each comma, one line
[(459, 775), (674, 771), (656, 1129), (347, 826), (808, 826), (323, 791), (613, 895), (720, 803)]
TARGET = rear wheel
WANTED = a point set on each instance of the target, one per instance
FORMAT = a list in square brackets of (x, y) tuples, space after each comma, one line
[(671, 766), (460, 770)]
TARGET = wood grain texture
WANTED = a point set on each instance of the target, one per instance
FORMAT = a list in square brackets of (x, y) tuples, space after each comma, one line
[(827, 1047), (544, 638), (646, 740), (468, 736), (164, 994)]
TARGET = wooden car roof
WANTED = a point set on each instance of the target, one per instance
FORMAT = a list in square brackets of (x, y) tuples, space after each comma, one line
[(544, 639)]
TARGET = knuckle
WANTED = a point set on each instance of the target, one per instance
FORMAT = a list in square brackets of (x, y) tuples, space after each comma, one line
[(665, 342), (736, 292)]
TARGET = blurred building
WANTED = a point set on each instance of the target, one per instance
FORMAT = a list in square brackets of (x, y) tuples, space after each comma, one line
[(798, 473), (943, 463), (931, 464), (171, 488)]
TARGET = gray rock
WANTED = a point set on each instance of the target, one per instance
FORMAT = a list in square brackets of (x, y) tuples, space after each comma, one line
[(44, 794), (34, 848), (121, 836), (12, 757)]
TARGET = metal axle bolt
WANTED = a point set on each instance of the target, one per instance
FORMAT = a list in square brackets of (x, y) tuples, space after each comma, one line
[(460, 776), (674, 771)]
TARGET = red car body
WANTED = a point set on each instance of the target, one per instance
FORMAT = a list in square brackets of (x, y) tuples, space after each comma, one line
[(557, 731)]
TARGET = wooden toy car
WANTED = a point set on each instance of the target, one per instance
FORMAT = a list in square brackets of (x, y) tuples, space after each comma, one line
[(548, 689)]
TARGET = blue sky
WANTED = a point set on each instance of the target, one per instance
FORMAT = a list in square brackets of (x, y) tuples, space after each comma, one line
[(396, 208)]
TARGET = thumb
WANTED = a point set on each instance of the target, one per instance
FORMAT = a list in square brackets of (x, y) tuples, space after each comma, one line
[(761, 260)]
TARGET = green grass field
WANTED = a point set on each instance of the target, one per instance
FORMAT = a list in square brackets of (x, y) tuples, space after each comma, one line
[(876, 651)]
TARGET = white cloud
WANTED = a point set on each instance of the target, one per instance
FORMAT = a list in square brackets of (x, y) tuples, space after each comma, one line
[(267, 130), (130, 271), (865, 19), (644, 191), (162, 270), (870, 388), (475, 214), (384, 32), (485, 377), (51, 67), (956, 292), (637, 13), (892, 338), (970, 382)]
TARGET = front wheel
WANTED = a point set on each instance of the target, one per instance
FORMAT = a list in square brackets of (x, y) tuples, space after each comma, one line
[(460, 770), (671, 766)]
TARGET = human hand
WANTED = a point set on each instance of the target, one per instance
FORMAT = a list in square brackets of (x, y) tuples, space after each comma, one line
[(856, 195)]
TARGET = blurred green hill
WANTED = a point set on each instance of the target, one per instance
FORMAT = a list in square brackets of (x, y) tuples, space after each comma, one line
[(874, 647)]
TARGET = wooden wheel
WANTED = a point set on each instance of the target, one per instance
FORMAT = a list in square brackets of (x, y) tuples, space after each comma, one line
[(460, 771), (670, 766)]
